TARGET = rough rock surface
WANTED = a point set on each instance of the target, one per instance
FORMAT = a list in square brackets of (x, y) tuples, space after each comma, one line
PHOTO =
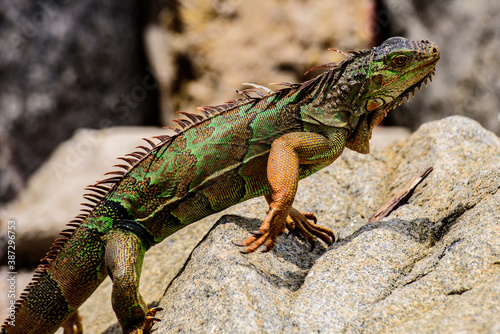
[(467, 81), (431, 266), (64, 65)]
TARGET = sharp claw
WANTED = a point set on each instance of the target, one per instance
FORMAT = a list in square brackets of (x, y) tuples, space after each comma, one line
[(239, 244), (153, 311), (256, 233), (150, 319), (333, 237), (313, 244)]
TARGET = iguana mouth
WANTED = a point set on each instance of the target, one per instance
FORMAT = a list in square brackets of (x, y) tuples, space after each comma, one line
[(411, 91), (418, 86)]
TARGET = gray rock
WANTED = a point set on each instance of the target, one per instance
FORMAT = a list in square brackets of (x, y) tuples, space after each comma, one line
[(467, 81)]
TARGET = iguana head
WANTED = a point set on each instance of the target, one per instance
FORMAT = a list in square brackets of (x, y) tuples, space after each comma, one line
[(395, 69)]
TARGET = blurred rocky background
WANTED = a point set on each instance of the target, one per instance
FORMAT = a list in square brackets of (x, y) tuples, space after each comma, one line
[(66, 65)]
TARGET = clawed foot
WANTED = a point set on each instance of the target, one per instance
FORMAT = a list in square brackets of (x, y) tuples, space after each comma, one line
[(296, 222), (274, 225), (73, 325), (149, 321)]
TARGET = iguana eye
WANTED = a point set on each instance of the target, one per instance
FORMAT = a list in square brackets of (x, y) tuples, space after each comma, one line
[(400, 60)]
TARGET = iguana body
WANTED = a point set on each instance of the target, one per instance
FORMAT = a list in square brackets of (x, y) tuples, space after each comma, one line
[(245, 148)]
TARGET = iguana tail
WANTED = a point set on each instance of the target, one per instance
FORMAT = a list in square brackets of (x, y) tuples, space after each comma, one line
[(67, 276)]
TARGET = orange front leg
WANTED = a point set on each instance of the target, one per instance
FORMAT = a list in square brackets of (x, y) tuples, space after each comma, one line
[(287, 154)]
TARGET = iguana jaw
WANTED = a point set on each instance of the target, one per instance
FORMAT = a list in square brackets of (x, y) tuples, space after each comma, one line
[(431, 67)]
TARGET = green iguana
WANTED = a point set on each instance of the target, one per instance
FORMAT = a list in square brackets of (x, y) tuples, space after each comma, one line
[(260, 145)]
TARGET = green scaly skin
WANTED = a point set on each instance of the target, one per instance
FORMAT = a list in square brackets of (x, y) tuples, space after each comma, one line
[(260, 145)]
